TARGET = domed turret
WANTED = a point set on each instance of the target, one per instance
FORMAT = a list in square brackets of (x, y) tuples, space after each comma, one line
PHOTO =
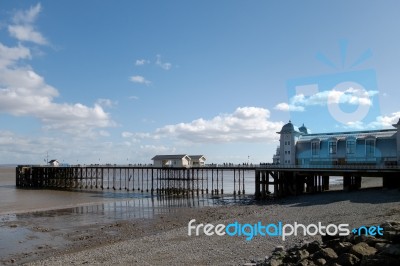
[(288, 128), (303, 129)]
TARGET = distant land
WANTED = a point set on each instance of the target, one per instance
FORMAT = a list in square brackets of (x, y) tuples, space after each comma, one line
[(8, 165)]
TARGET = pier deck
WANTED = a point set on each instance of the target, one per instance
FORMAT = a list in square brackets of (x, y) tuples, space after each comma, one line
[(164, 180), (270, 180)]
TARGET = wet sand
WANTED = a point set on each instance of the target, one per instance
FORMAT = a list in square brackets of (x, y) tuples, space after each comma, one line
[(97, 234)]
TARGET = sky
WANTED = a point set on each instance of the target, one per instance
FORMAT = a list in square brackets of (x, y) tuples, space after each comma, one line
[(121, 81)]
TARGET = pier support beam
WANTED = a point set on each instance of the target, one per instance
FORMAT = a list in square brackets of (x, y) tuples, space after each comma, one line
[(391, 181)]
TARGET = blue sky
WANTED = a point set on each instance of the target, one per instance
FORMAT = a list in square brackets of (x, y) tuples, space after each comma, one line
[(122, 81)]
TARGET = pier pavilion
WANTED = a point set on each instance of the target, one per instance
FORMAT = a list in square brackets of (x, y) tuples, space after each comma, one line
[(368, 147), (304, 162)]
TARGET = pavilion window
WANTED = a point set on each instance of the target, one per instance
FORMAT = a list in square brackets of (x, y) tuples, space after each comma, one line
[(332, 147), (370, 147)]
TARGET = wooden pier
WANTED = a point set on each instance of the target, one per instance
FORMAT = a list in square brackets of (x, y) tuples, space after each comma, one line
[(165, 180), (295, 180), (270, 180)]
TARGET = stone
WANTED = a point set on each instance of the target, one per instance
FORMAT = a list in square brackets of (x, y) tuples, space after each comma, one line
[(275, 262), (305, 262), (381, 246), (380, 260), (312, 247), (320, 262), (325, 253), (342, 247), (302, 254), (391, 249), (279, 248), (348, 259), (279, 254), (362, 249), (392, 236)]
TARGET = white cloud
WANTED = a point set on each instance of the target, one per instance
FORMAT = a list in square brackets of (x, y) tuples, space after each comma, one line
[(384, 121), (287, 107), (23, 29), (106, 102), (10, 55), (134, 97), (350, 96), (245, 124), (163, 65), (25, 93), (141, 62), (140, 80), (27, 16)]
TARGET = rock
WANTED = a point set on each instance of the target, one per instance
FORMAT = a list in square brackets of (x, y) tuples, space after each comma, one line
[(279, 254), (320, 262), (380, 260), (392, 236), (249, 264), (312, 247), (342, 247), (306, 262), (362, 249), (392, 249), (326, 253), (348, 259), (353, 250), (279, 248), (302, 254), (381, 246), (275, 262)]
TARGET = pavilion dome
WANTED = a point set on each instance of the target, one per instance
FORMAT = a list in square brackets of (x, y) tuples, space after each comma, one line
[(303, 129), (288, 127)]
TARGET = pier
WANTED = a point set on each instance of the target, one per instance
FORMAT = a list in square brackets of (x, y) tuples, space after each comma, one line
[(269, 180), (286, 180), (159, 180)]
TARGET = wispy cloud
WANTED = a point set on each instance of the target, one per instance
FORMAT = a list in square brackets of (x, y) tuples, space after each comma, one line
[(140, 80), (288, 107), (23, 29), (141, 62), (163, 65), (350, 96), (383, 121)]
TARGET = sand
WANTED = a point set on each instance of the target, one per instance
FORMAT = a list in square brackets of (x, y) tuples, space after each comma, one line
[(164, 240)]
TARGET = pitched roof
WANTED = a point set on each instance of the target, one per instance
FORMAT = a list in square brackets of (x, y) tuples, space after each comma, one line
[(169, 157), (197, 157)]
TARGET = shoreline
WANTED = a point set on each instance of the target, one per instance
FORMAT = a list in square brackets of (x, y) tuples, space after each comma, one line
[(163, 239), (356, 208)]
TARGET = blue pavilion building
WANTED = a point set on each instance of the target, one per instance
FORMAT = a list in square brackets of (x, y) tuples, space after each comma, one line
[(369, 147)]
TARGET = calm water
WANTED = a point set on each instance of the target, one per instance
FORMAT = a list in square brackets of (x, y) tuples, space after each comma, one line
[(64, 210)]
